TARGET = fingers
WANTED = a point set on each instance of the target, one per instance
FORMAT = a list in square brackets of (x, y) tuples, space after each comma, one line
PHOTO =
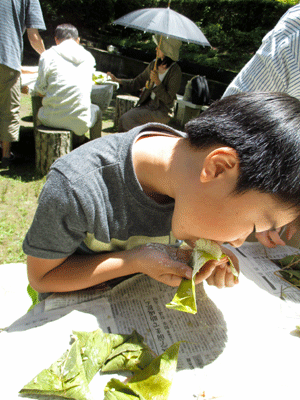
[(270, 238), (222, 277), (291, 230), (173, 274), (25, 89)]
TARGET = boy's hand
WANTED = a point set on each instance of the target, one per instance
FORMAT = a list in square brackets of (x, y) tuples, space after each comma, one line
[(272, 238), (219, 272), (168, 265)]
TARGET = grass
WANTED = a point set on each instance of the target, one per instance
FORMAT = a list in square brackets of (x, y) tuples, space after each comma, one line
[(20, 187)]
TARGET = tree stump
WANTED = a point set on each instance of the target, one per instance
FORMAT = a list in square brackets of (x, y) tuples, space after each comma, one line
[(50, 144), (124, 103)]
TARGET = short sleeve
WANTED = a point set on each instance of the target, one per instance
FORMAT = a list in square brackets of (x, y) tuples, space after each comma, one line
[(59, 225), (34, 16)]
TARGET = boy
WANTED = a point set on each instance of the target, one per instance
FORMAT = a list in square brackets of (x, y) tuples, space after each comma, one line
[(106, 205)]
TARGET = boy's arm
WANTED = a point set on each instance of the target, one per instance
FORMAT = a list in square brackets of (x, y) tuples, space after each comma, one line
[(163, 263)]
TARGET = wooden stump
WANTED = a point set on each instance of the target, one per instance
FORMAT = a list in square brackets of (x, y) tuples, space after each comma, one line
[(124, 103), (50, 144)]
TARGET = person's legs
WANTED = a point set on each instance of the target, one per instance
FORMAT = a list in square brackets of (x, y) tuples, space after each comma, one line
[(78, 140), (140, 116), (10, 93), (5, 149), (96, 129)]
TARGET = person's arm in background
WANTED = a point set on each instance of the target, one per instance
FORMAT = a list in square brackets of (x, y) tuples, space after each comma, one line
[(135, 84), (35, 40)]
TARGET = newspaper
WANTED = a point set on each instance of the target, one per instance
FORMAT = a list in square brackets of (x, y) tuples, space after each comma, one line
[(240, 340)]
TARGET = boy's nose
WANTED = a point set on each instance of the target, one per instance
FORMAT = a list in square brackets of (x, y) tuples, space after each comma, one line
[(238, 242)]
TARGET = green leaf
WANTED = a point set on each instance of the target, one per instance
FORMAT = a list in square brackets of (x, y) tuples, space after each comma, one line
[(95, 347), (132, 355), (65, 378), (33, 295), (185, 297), (152, 383), (290, 261), (116, 390)]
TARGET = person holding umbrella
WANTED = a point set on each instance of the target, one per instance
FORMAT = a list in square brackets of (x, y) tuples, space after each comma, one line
[(159, 83)]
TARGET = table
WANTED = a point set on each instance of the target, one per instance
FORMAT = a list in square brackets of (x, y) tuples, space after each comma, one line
[(241, 345), (101, 95)]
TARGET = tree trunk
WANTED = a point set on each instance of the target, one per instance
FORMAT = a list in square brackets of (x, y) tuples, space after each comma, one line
[(124, 103), (50, 144)]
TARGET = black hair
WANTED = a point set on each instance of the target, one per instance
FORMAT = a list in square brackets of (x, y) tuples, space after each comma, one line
[(264, 129), (66, 31), (167, 61)]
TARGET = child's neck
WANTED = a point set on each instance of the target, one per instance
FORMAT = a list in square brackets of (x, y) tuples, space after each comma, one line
[(152, 157)]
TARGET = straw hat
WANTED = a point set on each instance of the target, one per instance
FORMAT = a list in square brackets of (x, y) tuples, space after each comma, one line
[(169, 46)]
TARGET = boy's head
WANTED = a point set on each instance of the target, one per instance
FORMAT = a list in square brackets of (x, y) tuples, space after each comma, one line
[(64, 32), (242, 173), (264, 130)]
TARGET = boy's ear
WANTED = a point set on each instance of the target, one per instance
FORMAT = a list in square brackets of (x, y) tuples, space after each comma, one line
[(219, 161)]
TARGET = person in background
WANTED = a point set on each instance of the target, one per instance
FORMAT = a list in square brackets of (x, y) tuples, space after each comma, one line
[(65, 83), (16, 17), (159, 87), (275, 67)]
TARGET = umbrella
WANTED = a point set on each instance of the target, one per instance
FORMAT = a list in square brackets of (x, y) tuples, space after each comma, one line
[(166, 22)]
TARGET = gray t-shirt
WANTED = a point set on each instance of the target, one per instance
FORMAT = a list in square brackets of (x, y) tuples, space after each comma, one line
[(15, 17), (93, 200)]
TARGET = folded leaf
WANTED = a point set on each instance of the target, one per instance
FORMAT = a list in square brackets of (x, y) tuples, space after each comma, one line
[(65, 378), (95, 348), (132, 355), (185, 297), (70, 375), (152, 383), (117, 390)]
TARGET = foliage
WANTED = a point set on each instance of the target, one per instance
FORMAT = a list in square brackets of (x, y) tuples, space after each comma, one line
[(70, 375), (234, 28)]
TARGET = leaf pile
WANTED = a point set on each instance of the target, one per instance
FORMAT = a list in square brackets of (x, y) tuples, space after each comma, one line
[(70, 375), (290, 269)]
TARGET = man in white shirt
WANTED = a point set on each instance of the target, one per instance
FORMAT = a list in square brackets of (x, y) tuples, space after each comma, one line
[(65, 83)]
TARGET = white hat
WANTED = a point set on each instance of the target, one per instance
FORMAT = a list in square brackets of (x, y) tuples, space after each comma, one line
[(169, 46)]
